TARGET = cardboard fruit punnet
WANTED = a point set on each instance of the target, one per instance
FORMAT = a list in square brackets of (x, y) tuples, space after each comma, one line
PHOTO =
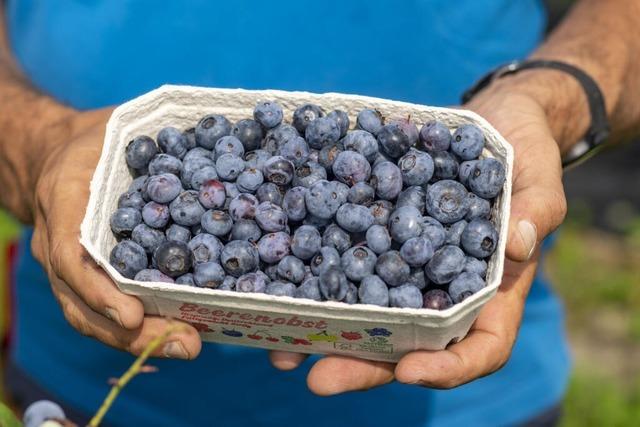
[(266, 321)]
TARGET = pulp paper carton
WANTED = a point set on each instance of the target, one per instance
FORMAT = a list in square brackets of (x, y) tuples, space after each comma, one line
[(261, 320)]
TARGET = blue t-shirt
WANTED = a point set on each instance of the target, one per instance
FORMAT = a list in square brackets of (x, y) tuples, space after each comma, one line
[(95, 53)]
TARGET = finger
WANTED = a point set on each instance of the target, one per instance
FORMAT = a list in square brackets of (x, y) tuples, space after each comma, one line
[(487, 346), (338, 374), (286, 360), (184, 343)]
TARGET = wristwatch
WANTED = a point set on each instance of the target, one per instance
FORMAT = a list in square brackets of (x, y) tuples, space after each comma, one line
[(598, 131)]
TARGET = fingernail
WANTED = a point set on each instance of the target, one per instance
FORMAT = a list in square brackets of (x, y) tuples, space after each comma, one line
[(113, 315), (175, 350), (529, 236)]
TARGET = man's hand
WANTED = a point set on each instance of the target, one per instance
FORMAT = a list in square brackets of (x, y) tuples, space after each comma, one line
[(537, 208), (90, 301)]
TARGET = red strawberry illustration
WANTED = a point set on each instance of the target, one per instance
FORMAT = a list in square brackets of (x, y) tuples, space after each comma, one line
[(254, 337), (272, 339), (351, 336), (301, 341)]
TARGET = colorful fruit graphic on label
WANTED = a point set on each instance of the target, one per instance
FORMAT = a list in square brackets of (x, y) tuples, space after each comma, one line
[(351, 336), (378, 332), (322, 336), (254, 337), (232, 333), (272, 339), (202, 327)]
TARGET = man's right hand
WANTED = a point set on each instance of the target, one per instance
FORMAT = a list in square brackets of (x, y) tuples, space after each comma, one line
[(89, 299)]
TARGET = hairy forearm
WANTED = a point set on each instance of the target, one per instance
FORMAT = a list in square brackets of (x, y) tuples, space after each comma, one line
[(601, 37), (31, 125)]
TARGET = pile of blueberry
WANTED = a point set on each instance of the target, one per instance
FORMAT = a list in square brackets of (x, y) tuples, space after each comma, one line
[(382, 214)]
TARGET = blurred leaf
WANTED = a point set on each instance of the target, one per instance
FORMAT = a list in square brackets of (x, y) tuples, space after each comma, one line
[(7, 419)]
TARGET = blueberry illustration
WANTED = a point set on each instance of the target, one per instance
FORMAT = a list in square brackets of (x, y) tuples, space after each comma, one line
[(405, 223), (212, 194), (405, 296), (268, 113), (333, 284), (251, 282), (140, 151), (249, 132), (479, 238), (173, 258), (218, 223), (124, 220), (243, 206), (435, 136), (381, 211), (178, 233), (322, 131), (337, 238), (306, 242), (416, 167), (358, 262), (208, 275), (447, 201), (378, 239), (210, 129), (487, 178), (246, 229), (467, 142), (342, 119), (392, 268), (270, 217), (374, 291), (326, 258), (436, 299), (152, 275), (370, 120), (205, 247), (362, 142), (309, 289), (127, 257), (172, 142), (465, 285), (294, 205), (228, 145), (445, 166), (278, 170), (351, 167), (354, 218), (164, 163), (394, 140), (273, 247), (304, 115), (416, 251), (163, 188), (155, 214), (147, 237), (239, 257), (453, 233), (386, 178), (446, 263), (186, 209), (280, 288)]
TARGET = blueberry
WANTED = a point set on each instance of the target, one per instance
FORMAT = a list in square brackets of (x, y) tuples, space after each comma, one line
[(352, 294), (163, 188), (370, 121), (281, 289), (124, 220), (392, 268), (189, 138), (278, 170), (164, 163), (246, 229), (445, 264), (239, 257), (478, 208), (186, 209), (412, 196), (358, 262), (309, 289), (433, 230), (251, 282), (447, 201), (394, 140), (185, 279), (467, 142), (140, 151), (172, 141), (333, 284), (409, 128), (342, 119), (374, 291), (362, 142), (337, 238), (475, 265), (361, 194), (418, 278), (155, 214), (228, 145), (405, 223), (278, 136), (249, 180), (205, 248), (269, 192), (453, 233), (354, 218), (208, 275), (204, 174), (178, 233), (273, 247), (191, 165), (486, 178), (417, 251), (196, 229), (127, 257), (147, 237), (291, 269), (295, 150), (39, 412), (243, 206), (197, 152), (435, 136), (256, 159), (304, 115), (228, 284), (306, 242), (465, 285), (328, 154), (131, 199), (479, 238), (465, 170), (270, 217), (381, 211), (210, 129), (212, 194), (268, 113), (322, 131), (229, 166), (316, 222), (322, 199), (386, 178), (173, 258), (327, 257), (231, 189), (137, 184), (271, 271), (351, 167), (378, 239), (308, 174), (152, 275), (416, 167), (314, 155), (294, 205), (445, 166), (218, 223), (436, 299), (249, 132), (405, 296)]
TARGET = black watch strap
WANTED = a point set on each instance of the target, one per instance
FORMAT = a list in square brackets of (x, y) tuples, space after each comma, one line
[(598, 131)]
